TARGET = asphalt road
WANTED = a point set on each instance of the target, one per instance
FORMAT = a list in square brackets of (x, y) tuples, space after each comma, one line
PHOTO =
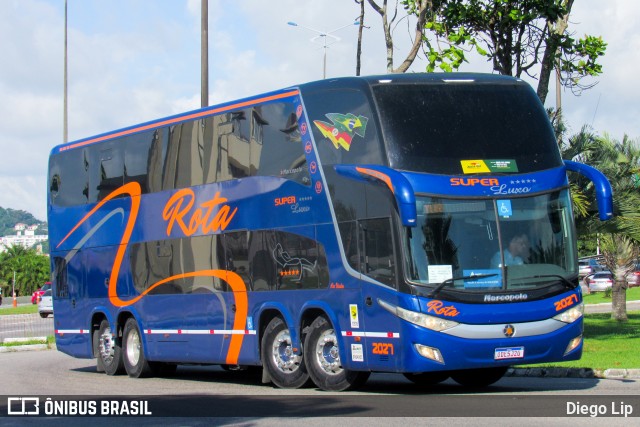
[(238, 398)]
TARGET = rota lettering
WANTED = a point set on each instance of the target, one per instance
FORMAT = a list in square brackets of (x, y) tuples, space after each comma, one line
[(178, 211)]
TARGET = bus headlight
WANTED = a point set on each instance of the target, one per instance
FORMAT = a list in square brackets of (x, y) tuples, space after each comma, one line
[(573, 344), (571, 315), (429, 352), (420, 319)]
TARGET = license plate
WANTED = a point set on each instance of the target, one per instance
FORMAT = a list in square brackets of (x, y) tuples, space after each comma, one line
[(509, 353)]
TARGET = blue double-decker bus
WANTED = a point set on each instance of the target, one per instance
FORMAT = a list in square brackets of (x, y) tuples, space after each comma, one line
[(418, 224)]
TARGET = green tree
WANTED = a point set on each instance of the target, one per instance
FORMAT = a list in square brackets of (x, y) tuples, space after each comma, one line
[(31, 270), (620, 236), (518, 36)]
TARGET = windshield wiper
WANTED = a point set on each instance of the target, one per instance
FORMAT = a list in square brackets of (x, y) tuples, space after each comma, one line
[(564, 280), (438, 288)]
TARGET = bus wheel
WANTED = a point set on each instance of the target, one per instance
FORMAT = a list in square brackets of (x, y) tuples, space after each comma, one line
[(109, 352), (286, 369), (322, 357), (135, 363), (428, 378), (478, 377)]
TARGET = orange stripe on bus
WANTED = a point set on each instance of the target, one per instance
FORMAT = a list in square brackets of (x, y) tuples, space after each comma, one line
[(379, 175), (237, 284), (180, 119)]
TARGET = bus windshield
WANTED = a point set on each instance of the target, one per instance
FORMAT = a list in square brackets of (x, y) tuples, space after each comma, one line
[(493, 245), (431, 127)]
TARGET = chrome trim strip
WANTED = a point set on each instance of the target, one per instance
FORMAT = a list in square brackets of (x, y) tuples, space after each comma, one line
[(528, 329)]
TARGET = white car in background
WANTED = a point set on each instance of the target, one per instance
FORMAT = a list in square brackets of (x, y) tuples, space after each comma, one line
[(45, 304), (600, 282)]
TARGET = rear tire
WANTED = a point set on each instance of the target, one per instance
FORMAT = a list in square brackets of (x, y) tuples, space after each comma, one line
[(322, 357), (135, 363), (482, 377), (109, 351), (95, 338), (285, 369)]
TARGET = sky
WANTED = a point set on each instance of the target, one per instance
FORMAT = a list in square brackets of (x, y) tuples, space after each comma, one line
[(132, 61)]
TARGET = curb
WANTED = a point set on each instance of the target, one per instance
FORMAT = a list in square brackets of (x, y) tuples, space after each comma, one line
[(29, 347), (615, 374), (24, 347)]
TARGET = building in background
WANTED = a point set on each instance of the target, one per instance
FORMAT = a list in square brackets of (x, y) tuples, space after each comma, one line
[(25, 236)]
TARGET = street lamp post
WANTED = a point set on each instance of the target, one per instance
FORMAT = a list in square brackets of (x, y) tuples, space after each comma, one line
[(322, 36)]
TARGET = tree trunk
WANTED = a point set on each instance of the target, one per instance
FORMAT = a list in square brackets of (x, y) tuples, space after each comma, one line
[(619, 295), (555, 31)]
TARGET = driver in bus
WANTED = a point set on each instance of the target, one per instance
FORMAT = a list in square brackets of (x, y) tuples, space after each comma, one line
[(515, 254)]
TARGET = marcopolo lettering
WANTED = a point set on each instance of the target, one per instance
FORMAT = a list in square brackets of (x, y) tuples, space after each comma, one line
[(505, 298)]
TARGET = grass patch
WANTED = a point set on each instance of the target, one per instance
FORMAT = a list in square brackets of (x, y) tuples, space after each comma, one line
[(49, 341), (21, 309), (633, 294), (27, 342), (607, 343)]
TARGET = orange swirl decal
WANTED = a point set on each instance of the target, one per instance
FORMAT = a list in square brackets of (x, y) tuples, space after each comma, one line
[(174, 213), (180, 204)]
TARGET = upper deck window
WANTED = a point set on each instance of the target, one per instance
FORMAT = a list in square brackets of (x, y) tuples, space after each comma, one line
[(433, 127)]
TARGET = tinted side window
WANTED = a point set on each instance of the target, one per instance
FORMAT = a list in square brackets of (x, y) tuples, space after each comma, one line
[(236, 249), (183, 161), (279, 149), (154, 261), (68, 178), (297, 260), (377, 248), (140, 151), (106, 169), (60, 275)]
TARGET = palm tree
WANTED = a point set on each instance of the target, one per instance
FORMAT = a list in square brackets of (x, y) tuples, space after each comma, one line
[(620, 236), (31, 270)]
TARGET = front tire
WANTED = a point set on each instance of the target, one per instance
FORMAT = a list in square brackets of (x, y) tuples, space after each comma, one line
[(478, 377), (322, 356), (109, 351), (135, 363), (285, 369)]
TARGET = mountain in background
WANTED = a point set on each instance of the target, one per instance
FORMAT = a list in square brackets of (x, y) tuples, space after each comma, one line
[(10, 217)]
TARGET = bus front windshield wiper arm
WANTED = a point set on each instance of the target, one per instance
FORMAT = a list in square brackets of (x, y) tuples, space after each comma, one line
[(564, 280), (438, 288)]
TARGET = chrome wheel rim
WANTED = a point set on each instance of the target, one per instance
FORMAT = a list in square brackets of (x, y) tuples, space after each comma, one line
[(327, 353), (133, 347), (106, 346), (282, 354)]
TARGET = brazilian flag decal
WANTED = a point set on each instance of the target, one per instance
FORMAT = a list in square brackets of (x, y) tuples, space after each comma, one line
[(342, 128)]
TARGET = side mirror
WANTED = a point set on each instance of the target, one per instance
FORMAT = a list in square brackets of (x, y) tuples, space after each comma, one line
[(604, 193), (399, 186)]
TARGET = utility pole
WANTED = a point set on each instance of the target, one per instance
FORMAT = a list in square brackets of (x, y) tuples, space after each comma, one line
[(65, 119), (15, 301), (204, 54)]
